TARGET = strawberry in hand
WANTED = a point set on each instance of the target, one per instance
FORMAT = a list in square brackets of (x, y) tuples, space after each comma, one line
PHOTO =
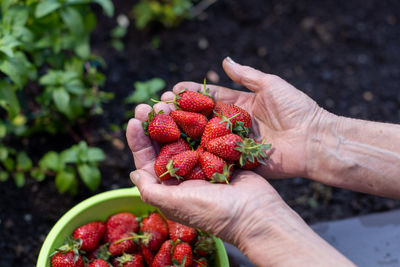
[(161, 127), (215, 168), (192, 124), (181, 164)]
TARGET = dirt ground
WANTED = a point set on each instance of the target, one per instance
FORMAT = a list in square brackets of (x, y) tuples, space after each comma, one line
[(343, 54)]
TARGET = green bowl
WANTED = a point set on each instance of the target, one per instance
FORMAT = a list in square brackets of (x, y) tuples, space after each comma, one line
[(100, 207)]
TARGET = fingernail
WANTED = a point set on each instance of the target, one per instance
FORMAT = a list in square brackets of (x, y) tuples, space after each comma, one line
[(134, 177), (230, 61)]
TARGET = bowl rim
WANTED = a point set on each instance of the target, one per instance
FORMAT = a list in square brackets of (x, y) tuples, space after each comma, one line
[(89, 202)]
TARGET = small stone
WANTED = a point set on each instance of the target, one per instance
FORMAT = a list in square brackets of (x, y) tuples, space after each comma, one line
[(368, 96), (212, 76), (9, 224), (117, 143), (202, 43), (123, 20), (19, 249), (391, 20), (355, 110), (28, 217), (262, 51), (362, 59)]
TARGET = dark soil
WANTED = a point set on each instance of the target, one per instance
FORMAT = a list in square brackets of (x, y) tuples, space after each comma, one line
[(344, 54)]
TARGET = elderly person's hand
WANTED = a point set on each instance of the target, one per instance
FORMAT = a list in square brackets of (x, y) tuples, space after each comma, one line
[(248, 212)]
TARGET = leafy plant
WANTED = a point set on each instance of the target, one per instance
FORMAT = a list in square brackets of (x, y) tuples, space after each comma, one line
[(168, 12), (119, 32), (49, 82)]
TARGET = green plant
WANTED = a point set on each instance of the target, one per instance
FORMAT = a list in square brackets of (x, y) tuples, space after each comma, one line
[(144, 91), (49, 82), (168, 12), (119, 32)]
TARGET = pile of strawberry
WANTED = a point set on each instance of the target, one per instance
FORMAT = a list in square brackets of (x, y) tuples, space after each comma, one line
[(125, 240), (203, 140)]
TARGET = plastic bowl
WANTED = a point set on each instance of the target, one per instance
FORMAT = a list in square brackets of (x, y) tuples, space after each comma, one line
[(100, 207)]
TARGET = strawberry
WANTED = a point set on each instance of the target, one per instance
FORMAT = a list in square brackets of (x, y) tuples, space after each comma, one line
[(155, 222), (148, 255), (100, 252), (99, 263), (164, 255), (122, 245), (182, 164), (204, 246), (161, 127), (229, 110), (182, 255), (66, 259), (166, 153), (232, 147), (192, 124), (215, 168), (129, 260), (194, 102), (200, 150), (200, 262), (216, 127), (196, 173), (182, 232), (90, 234), (119, 224)]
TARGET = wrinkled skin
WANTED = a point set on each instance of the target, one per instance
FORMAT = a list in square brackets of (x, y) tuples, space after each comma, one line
[(281, 114)]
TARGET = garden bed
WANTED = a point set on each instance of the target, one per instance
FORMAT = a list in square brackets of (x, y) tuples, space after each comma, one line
[(344, 54)]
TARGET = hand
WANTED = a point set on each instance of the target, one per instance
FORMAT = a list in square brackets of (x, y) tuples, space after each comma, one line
[(283, 115)]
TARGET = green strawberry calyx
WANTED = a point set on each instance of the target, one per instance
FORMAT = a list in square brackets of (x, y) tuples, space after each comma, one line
[(251, 150), (151, 116), (70, 244), (171, 170), (222, 177), (228, 121)]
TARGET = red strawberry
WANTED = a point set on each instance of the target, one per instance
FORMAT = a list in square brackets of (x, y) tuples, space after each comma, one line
[(66, 259), (215, 168), (148, 255), (201, 262), (99, 263), (216, 127), (166, 153), (182, 164), (162, 128), (229, 110), (183, 255), (200, 150), (129, 260), (194, 102), (248, 165), (124, 244), (225, 147), (90, 234), (181, 232), (196, 173), (153, 240), (119, 224), (164, 255), (192, 124), (204, 246), (155, 222)]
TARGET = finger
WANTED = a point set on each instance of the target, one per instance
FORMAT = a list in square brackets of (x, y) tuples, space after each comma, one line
[(249, 77), (140, 144), (142, 112), (167, 96), (162, 107), (218, 93), (150, 190)]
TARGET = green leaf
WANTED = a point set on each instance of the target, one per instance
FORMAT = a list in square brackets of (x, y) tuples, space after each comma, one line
[(3, 176), (90, 175), (95, 154), (50, 161), (9, 164), (64, 181), (145, 90), (18, 68), (3, 153), (61, 99), (82, 48), (38, 174), (69, 155), (23, 161), (3, 129), (7, 45), (8, 99), (107, 6), (19, 179), (73, 20), (46, 7)]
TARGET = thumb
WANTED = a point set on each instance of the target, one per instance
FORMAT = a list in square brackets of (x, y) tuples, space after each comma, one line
[(249, 77)]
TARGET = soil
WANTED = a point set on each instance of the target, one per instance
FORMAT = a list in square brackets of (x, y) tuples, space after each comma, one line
[(344, 54)]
